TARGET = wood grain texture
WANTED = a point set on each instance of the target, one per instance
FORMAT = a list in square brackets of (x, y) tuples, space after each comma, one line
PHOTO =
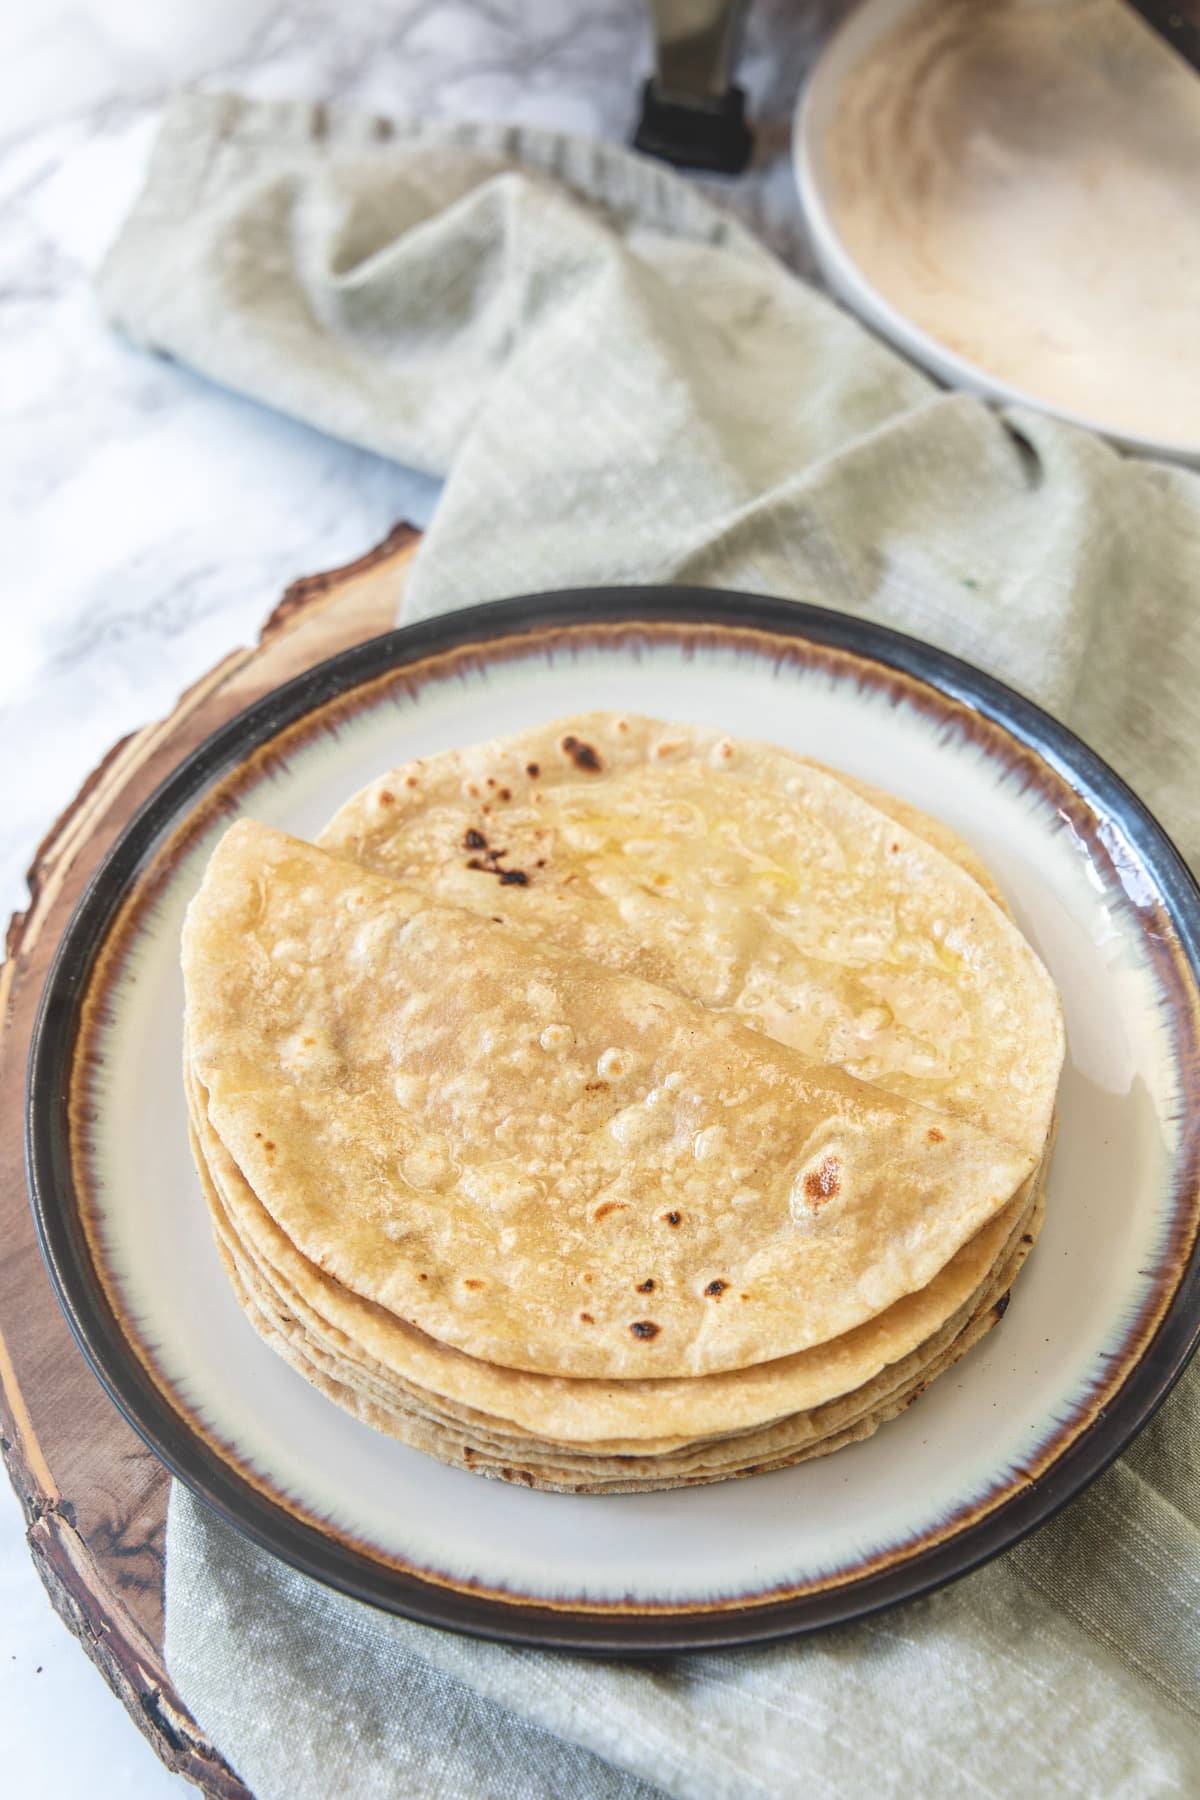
[(94, 1497)]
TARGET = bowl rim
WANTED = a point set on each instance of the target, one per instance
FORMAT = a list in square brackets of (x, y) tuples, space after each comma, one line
[(847, 47)]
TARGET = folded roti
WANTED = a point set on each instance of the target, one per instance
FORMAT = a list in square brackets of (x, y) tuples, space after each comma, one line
[(539, 1160), (823, 915)]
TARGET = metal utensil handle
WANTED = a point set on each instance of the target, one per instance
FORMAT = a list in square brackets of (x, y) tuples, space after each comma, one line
[(692, 113)]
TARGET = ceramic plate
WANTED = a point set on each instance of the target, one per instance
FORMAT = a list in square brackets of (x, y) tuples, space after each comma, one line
[(867, 25), (1101, 1322)]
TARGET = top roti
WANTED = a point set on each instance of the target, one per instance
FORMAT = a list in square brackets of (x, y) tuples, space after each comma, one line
[(546, 1163), (747, 879)]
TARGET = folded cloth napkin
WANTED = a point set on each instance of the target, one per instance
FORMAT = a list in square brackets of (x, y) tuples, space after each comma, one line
[(620, 384)]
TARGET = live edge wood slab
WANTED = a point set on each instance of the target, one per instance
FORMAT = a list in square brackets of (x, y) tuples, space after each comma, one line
[(94, 1497)]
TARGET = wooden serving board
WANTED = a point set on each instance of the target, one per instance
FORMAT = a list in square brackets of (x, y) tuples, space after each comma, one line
[(94, 1497)]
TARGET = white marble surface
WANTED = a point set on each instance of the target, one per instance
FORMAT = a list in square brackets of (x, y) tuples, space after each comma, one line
[(150, 520)]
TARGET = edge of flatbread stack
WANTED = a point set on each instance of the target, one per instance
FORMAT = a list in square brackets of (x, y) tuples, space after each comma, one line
[(618, 1105)]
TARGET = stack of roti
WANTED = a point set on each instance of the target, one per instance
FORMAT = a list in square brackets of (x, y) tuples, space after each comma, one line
[(618, 1105)]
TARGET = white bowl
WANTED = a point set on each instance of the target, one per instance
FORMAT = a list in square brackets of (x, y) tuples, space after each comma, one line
[(874, 20)]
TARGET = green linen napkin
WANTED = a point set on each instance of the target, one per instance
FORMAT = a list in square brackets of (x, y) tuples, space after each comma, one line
[(621, 385)]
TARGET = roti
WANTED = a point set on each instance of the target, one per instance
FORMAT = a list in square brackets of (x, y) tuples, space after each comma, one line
[(545, 1162), (650, 1415), (781, 1445), (748, 880)]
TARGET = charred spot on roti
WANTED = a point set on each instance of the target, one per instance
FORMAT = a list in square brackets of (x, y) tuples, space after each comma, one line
[(490, 862), (386, 797), (610, 1206), (715, 1289), (823, 1183), (645, 1329), (587, 1318), (584, 756), (1001, 1307), (647, 1286), (670, 746), (672, 1218), (532, 770)]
